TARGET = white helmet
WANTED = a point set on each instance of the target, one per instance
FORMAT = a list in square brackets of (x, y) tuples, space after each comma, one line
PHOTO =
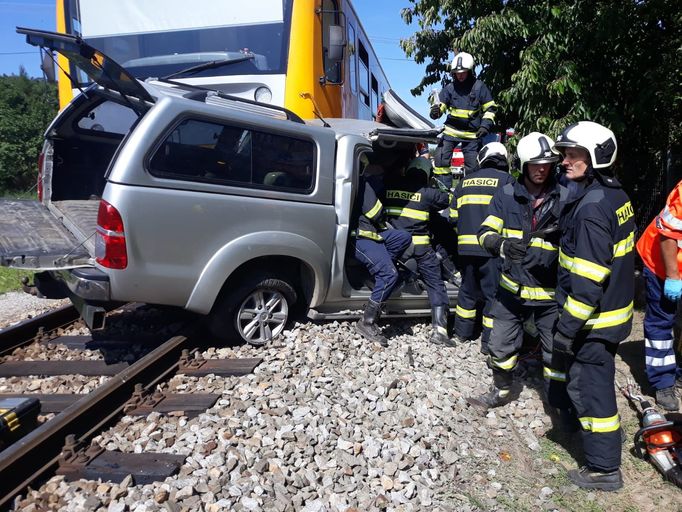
[(536, 148), (462, 62), (490, 150), (597, 140)]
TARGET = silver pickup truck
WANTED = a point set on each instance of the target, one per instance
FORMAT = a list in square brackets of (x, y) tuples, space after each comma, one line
[(166, 194)]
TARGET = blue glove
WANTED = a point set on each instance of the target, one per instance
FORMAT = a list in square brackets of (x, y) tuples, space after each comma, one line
[(672, 289)]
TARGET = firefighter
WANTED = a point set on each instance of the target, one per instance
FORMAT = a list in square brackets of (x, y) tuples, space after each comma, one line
[(522, 228), (595, 294), (408, 205), (470, 113), (378, 249), (480, 271), (662, 258)]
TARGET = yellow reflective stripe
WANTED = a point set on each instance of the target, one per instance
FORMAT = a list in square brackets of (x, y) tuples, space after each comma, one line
[(441, 170), (443, 107), (375, 209), (505, 364), (482, 237), (610, 424), (489, 115), (539, 243), (526, 292), (407, 212), (486, 106), (553, 374), (487, 322), (461, 112), (421, 239), (578, 309), (508, 284), (610, 318), (493, 222), (474, 199), (366, 234), (512, 233), (465, 313), (459, 133), (454, 213), (467, 240), (583, 268), (624, 246)]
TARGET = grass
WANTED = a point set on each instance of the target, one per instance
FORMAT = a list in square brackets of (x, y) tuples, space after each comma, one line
[(10, 279)]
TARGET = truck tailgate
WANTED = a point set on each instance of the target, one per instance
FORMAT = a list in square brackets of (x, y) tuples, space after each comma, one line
[(33, 238)]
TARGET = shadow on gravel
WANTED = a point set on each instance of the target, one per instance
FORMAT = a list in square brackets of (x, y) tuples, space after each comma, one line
[(632, 354)]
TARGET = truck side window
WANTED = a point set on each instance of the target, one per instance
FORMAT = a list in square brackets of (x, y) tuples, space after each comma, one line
[(230, 155)]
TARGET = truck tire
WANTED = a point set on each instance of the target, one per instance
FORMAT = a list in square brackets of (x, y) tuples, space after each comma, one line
[(255, 312)]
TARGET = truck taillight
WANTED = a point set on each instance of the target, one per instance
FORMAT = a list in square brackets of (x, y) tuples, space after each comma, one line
[(41, 161), (110, 240), (457, 159)]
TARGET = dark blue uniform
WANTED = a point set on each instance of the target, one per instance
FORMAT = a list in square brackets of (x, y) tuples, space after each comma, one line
[(526, 288), (480, 271), (595, 293), (376, 247), (469, 106)]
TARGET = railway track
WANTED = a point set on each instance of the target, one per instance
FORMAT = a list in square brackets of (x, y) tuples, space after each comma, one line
[(62, 443)]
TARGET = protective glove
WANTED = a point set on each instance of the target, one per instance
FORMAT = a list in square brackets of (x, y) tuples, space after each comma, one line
[(672, 289), (493, 243), (435, 112), (482, 132), (562, 344), (514, 249)]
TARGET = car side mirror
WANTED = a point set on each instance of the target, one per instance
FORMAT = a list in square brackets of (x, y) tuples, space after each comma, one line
[(337, 43), (47, 66)]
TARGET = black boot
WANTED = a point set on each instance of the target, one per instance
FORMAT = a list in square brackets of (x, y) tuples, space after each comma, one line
[(439, 322), (588, 479), (367, 324), (499, 393)]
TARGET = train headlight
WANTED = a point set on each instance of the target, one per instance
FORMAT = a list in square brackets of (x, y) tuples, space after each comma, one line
[(263, 95)]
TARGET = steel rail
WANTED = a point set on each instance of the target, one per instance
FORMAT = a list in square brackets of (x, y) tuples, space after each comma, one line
[(20, 334), (34, 455)]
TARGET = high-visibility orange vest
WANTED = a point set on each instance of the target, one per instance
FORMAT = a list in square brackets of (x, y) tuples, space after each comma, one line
[(667, 223)]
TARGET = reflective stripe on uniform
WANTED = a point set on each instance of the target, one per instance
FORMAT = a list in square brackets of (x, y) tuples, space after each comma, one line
[(407, 212), (657, 362), (467, 240), (462, 113), (489, 115), (505, 364), (421, 239), (610, 318), (454, 213), (375, 209), (578, 309), (667, 216), (474, 199), (487, 322), (458, 133), (367, 234), (493, 222), (610, 424), (441, 170), (526, 292), (540, 243), (465, 313), (584, 268), (512, 233), (551, 374), (489, 104), (482, 237), (624, 246)]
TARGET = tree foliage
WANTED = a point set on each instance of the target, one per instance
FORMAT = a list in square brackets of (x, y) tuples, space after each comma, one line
[(26, 107), (616, 62)]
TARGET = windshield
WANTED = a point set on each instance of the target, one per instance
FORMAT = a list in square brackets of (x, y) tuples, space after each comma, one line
[(154, 51)]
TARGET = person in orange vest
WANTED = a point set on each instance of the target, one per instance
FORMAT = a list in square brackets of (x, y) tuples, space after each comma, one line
[(660, 250)]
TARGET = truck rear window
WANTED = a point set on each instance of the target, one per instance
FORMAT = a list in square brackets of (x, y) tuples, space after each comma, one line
[(198, 150)]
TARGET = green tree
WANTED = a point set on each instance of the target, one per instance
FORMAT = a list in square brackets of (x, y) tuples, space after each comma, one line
[(26, 107), (617, 62)]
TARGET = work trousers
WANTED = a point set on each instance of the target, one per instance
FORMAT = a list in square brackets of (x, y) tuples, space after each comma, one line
[(509, 313), (443, 154), (591, 375), (380, 257), (661, 366), (480, 279), (428, 267)]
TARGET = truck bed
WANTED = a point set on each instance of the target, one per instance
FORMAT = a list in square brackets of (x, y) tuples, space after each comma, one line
[(80, 217)]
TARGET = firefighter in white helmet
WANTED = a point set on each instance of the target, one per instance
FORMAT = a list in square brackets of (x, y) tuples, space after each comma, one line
[(470, 110)]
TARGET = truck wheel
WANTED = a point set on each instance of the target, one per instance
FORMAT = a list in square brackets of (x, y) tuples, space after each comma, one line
[(257, 311)]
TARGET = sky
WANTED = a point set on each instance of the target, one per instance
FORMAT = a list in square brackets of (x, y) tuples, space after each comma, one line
[(380, 19)]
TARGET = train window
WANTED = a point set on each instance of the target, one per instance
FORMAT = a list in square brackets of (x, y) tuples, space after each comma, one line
[(375, 96), (363, 73), (330, 16), (352, 60)]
